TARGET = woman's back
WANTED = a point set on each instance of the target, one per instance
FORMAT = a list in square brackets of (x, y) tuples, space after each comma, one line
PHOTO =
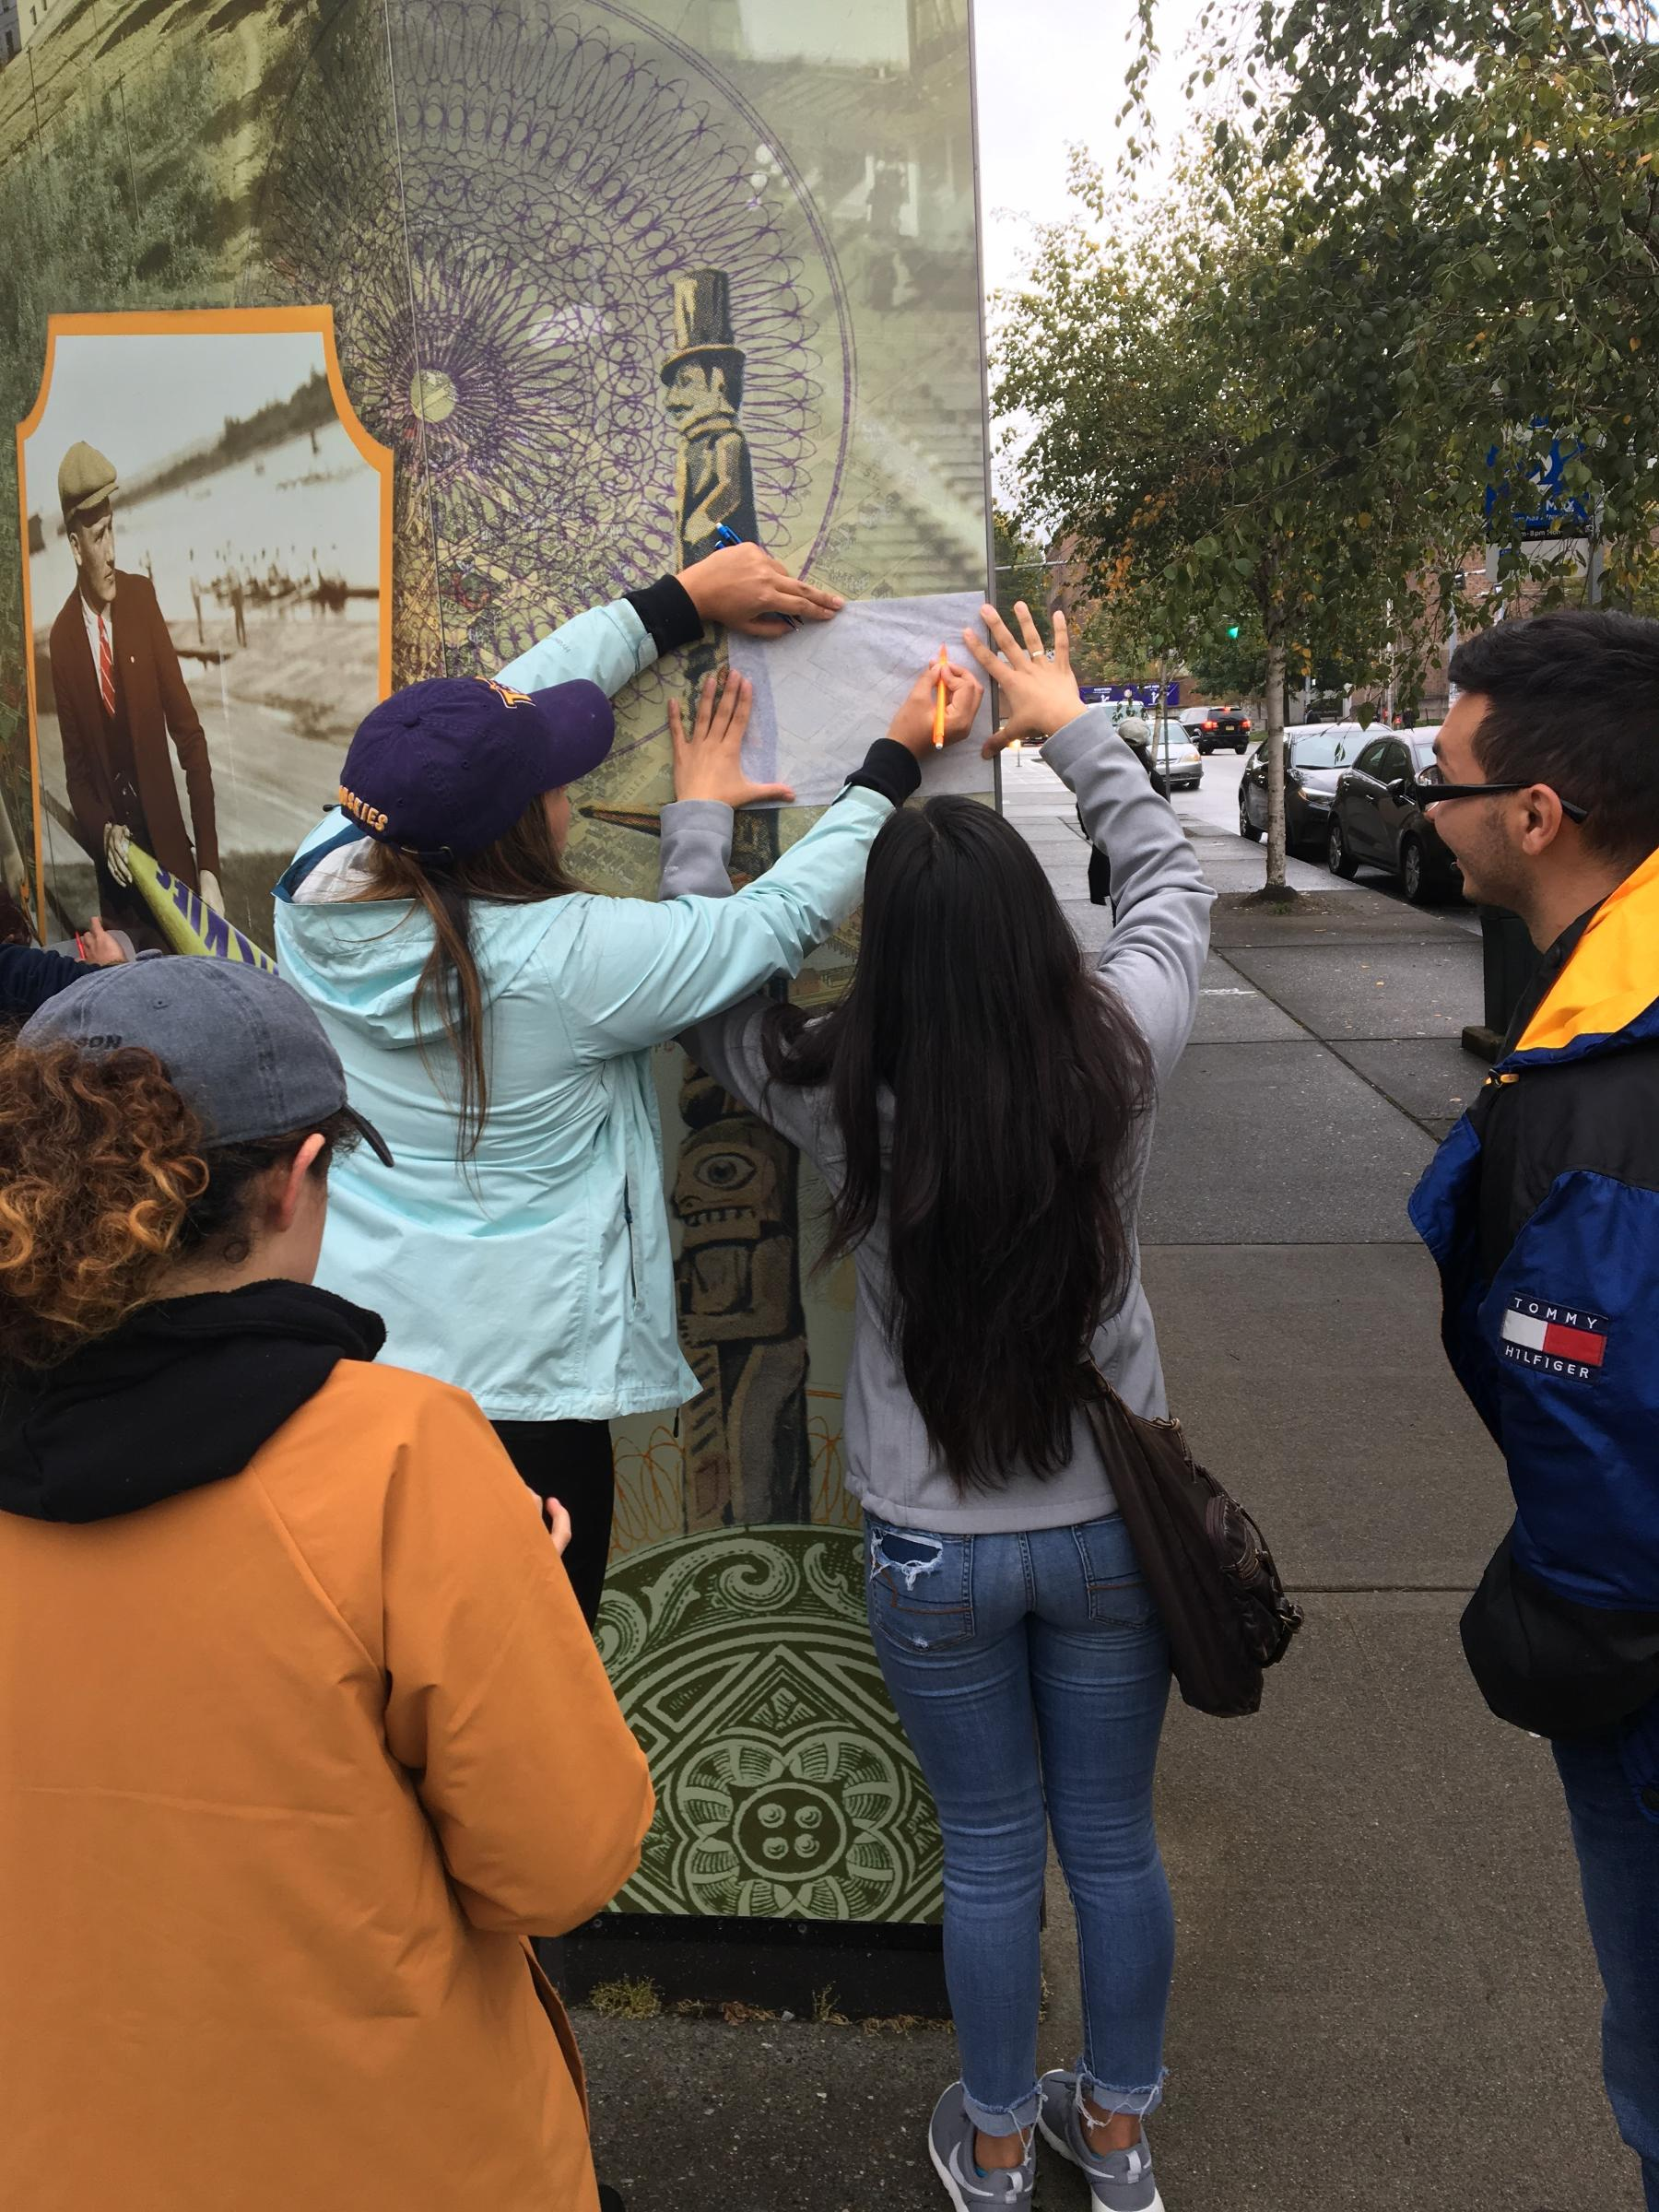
[(900, 1478), (1151, 968), (503, 1270)]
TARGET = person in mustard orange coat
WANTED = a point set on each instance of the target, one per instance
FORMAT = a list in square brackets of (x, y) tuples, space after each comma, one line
[(301, 1734)]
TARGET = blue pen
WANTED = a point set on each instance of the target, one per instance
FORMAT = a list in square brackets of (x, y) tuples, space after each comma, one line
[(723, 537)]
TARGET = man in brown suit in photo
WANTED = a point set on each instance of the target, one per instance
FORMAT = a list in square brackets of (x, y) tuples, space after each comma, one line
[(120, 695)]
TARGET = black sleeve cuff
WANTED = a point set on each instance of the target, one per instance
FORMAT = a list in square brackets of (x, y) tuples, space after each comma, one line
[(28, 978), (890, 767), (667, 613)]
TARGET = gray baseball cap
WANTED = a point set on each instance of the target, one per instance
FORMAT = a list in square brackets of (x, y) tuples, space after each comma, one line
[(242, 1046)]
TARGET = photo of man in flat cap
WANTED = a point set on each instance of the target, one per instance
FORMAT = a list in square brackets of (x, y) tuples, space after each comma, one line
[(120, 696)]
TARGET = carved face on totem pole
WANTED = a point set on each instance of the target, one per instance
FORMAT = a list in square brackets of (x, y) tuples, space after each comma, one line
[(734, 1199), (700, 399)]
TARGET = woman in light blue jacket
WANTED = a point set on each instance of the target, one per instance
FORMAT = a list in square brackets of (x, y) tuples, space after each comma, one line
[(498, 1023)]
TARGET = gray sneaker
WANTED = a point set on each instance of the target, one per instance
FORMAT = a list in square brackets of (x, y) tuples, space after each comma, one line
[(1121, 2182), (950, 2146)]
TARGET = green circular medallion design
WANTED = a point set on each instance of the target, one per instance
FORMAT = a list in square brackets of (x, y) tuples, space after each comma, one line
[(785, 1788)]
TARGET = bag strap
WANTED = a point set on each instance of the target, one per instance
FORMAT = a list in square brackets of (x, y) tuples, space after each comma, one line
[(1106, 1389), (303, 863)]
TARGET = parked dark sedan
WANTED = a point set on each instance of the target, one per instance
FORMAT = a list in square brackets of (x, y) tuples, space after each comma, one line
[(1314, 760), (1377, 823)]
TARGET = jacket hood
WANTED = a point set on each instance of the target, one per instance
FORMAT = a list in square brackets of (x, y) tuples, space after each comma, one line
[(360, 960), (1607, 995), (184, 1394)]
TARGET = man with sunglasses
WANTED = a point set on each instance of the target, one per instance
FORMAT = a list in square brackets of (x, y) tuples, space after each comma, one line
[(1542, 1212)]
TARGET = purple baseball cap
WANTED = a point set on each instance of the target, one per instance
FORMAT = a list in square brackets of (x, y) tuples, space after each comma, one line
[(444, 769)]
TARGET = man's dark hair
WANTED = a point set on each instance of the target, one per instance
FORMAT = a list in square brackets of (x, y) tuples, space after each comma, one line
[(1572, 701)]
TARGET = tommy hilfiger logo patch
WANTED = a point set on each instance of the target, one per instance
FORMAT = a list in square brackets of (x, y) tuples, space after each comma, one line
[(1569, 1341)]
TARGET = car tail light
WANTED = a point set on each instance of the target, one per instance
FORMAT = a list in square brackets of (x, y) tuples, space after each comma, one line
[(1207, 725), (1244, 725)]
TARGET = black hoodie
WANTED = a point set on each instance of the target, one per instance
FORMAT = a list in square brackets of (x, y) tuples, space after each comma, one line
[(184, 1392)]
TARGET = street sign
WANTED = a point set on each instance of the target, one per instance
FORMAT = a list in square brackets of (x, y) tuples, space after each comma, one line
[(1143, 695), (1543, 508)]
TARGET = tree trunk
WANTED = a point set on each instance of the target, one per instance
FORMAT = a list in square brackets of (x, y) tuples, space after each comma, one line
[(1275, 764)]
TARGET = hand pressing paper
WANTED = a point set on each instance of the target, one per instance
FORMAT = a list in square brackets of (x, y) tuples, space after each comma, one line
[(827, 692)]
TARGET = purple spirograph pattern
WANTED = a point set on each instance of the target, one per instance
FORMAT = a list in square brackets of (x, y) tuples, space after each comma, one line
[(495, 202)]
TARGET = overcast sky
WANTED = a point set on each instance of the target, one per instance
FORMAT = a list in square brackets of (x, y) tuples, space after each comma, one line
[(1049, 72), (140, 400)]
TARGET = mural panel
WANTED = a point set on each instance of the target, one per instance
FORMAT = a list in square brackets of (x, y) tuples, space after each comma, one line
[(605, 279)]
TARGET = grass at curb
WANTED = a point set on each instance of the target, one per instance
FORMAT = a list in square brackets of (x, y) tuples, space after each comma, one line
[(640, 1999), (626, 1999)]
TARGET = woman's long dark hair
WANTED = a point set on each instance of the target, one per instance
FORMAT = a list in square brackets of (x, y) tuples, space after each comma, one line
[(1017, 1079), (520, 869)]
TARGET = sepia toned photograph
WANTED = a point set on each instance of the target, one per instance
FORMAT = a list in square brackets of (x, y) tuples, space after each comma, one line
[(206, 607)]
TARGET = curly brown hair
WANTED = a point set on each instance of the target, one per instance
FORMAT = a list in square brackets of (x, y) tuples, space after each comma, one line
[(105, 1179)]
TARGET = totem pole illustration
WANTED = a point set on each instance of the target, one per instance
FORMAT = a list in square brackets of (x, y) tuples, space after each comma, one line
[(737, 1192), (713, 482)]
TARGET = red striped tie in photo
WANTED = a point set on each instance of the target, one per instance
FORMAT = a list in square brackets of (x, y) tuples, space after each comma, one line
[(106, 665)]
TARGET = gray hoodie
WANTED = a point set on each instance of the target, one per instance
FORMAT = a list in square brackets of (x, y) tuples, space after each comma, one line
[(1159, 938)]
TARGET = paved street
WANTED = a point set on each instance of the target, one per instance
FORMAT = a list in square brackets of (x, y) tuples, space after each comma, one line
[(1384, 1993)]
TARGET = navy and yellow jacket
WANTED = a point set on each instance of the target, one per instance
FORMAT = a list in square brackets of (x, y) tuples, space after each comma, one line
[(1541, 1210)]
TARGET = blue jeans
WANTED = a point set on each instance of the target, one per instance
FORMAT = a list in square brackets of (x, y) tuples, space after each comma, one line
[(1612, 1785), (1030, 1673)]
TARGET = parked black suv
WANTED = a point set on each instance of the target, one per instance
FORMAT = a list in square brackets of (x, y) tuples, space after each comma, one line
[(1376, 822)]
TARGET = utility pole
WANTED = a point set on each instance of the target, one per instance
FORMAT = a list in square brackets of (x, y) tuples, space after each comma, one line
[(1388, 713)]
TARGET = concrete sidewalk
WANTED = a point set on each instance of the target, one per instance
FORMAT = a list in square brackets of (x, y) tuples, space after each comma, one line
[(1385, 1992)]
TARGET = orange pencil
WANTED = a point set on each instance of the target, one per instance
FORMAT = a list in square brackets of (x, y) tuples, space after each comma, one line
[(938, 730)]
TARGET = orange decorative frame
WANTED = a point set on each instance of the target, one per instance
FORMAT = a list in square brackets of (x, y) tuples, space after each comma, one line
[(184, 323)]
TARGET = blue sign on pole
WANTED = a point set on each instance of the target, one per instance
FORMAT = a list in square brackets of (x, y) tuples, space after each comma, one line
[(1547, 510)]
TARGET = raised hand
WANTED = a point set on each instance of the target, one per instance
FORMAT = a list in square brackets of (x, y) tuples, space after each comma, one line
[(1039, 694), (745, 588), (912, 725), (98, 949), (709, 764)]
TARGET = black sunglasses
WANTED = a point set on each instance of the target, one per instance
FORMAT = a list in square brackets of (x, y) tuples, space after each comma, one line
[(1428, 788)]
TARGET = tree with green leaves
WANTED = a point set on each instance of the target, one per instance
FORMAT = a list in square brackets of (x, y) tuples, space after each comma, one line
[(1501, 158), (1164, 365), (150, 240), (1229, 659), (1023, 570)]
